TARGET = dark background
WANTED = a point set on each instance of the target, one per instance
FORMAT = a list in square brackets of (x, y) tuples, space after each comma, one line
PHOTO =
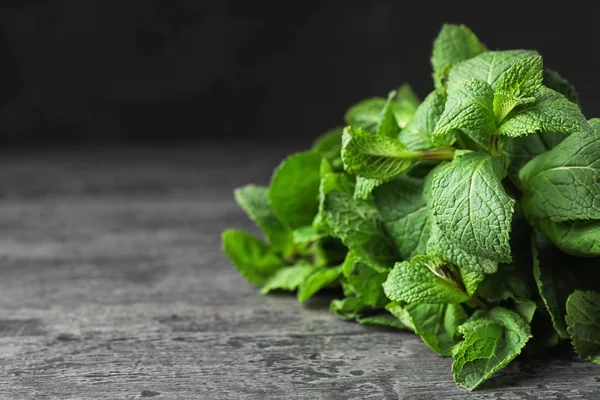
[(170, 71)]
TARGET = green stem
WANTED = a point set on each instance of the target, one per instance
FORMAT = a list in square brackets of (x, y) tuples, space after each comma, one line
[(438, 154), (494, 144)]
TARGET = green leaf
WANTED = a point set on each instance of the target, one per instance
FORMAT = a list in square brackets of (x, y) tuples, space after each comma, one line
[(329, 145), (255, 201), (364, 282), (551, 111), (471, 279), (437, 324), (317, 280), (488, 67), (469, 108), (387, 125), (294, 189), (373, 156), (491, 341), (360, 228), (562, 184), (348, 308), (455, 43), (402, 207), (405, 104), (579, 238), (364, 187), (471, 207), (522, 149), (583, 319), (366, 114), (417, 134), (425, 279), (287, 278), (383, 319), (557, 83), (520, 84), (306, 234), (251, 256), (330, 182)]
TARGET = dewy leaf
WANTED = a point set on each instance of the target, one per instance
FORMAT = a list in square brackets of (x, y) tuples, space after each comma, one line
[(471, 207), (551, 111), (360, 228), (491, 341), (455, 43), (366, 114), (488, 67), (317, 280), (563, 184), (294, 190), (387, 125), (556, 82), (405, 104), (469, 108), (374, 156), (417, 134), (425, 279), (437, 324), (579, 238), (583, 319), (518, 85), (522, 149), (402, 208), (255, 201), (287, 278), (329, 145), (252, 257)]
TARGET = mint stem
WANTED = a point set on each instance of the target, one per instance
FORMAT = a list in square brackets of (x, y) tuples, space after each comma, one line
[(494, 144), (438, 154)]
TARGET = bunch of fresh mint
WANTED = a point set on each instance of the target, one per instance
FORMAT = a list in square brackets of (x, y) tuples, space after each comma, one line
[(471, 218)]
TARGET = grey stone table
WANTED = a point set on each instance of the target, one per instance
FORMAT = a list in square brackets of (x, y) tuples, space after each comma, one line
[(113, 286)]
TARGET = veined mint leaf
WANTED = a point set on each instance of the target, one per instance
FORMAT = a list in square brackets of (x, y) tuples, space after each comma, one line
[(366, 114), (488, 67), (520, 84), (387, 125), (382, 319), (562, 184), (437, 324), (364, 187), (579, 238), (417, 134), (522, 149), (471, 207), (352, 308), (405, 104), (551, 111), (294, 190), (455, 43), (318, 279), (252, 257), (425, 279), (491, 340), (360, 228), (329, 145), (348, 308), (402, 208), (287, 278), (306, 234), (557, 83), (364, 282), (329, 182), (255, 201), (583, 319), (469, 108), (374, 156)]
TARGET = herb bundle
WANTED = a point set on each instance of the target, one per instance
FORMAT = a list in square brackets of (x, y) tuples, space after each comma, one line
[(471, 218)]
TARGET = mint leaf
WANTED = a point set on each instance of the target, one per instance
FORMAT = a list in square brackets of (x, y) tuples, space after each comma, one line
[(487, 67), (329, 145), (402, 208), (520, 84), (364, 281), (469, 108), (579, 238), (348, 308), (405, 104), (317, 280), (417, 134), (562, 184), (559, 84), (522, 149), (255, 201), (455, 43), (437, 324), (583, 319), (252, 257), (387, 125), (366, 114), (364, 187), (471, 207), (306, 234), (360, 228), (383, 319), (294, 189), (425, 279), (551, 111), (288, 278), (329, 182), (374, 156), (491, 340)]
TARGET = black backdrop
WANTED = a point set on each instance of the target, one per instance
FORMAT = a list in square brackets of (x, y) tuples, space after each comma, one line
[(88, 71)]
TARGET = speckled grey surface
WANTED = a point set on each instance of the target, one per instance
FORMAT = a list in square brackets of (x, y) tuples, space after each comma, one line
[(114, 287)]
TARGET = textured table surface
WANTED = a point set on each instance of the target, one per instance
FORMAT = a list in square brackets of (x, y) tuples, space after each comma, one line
[(113, 286)]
